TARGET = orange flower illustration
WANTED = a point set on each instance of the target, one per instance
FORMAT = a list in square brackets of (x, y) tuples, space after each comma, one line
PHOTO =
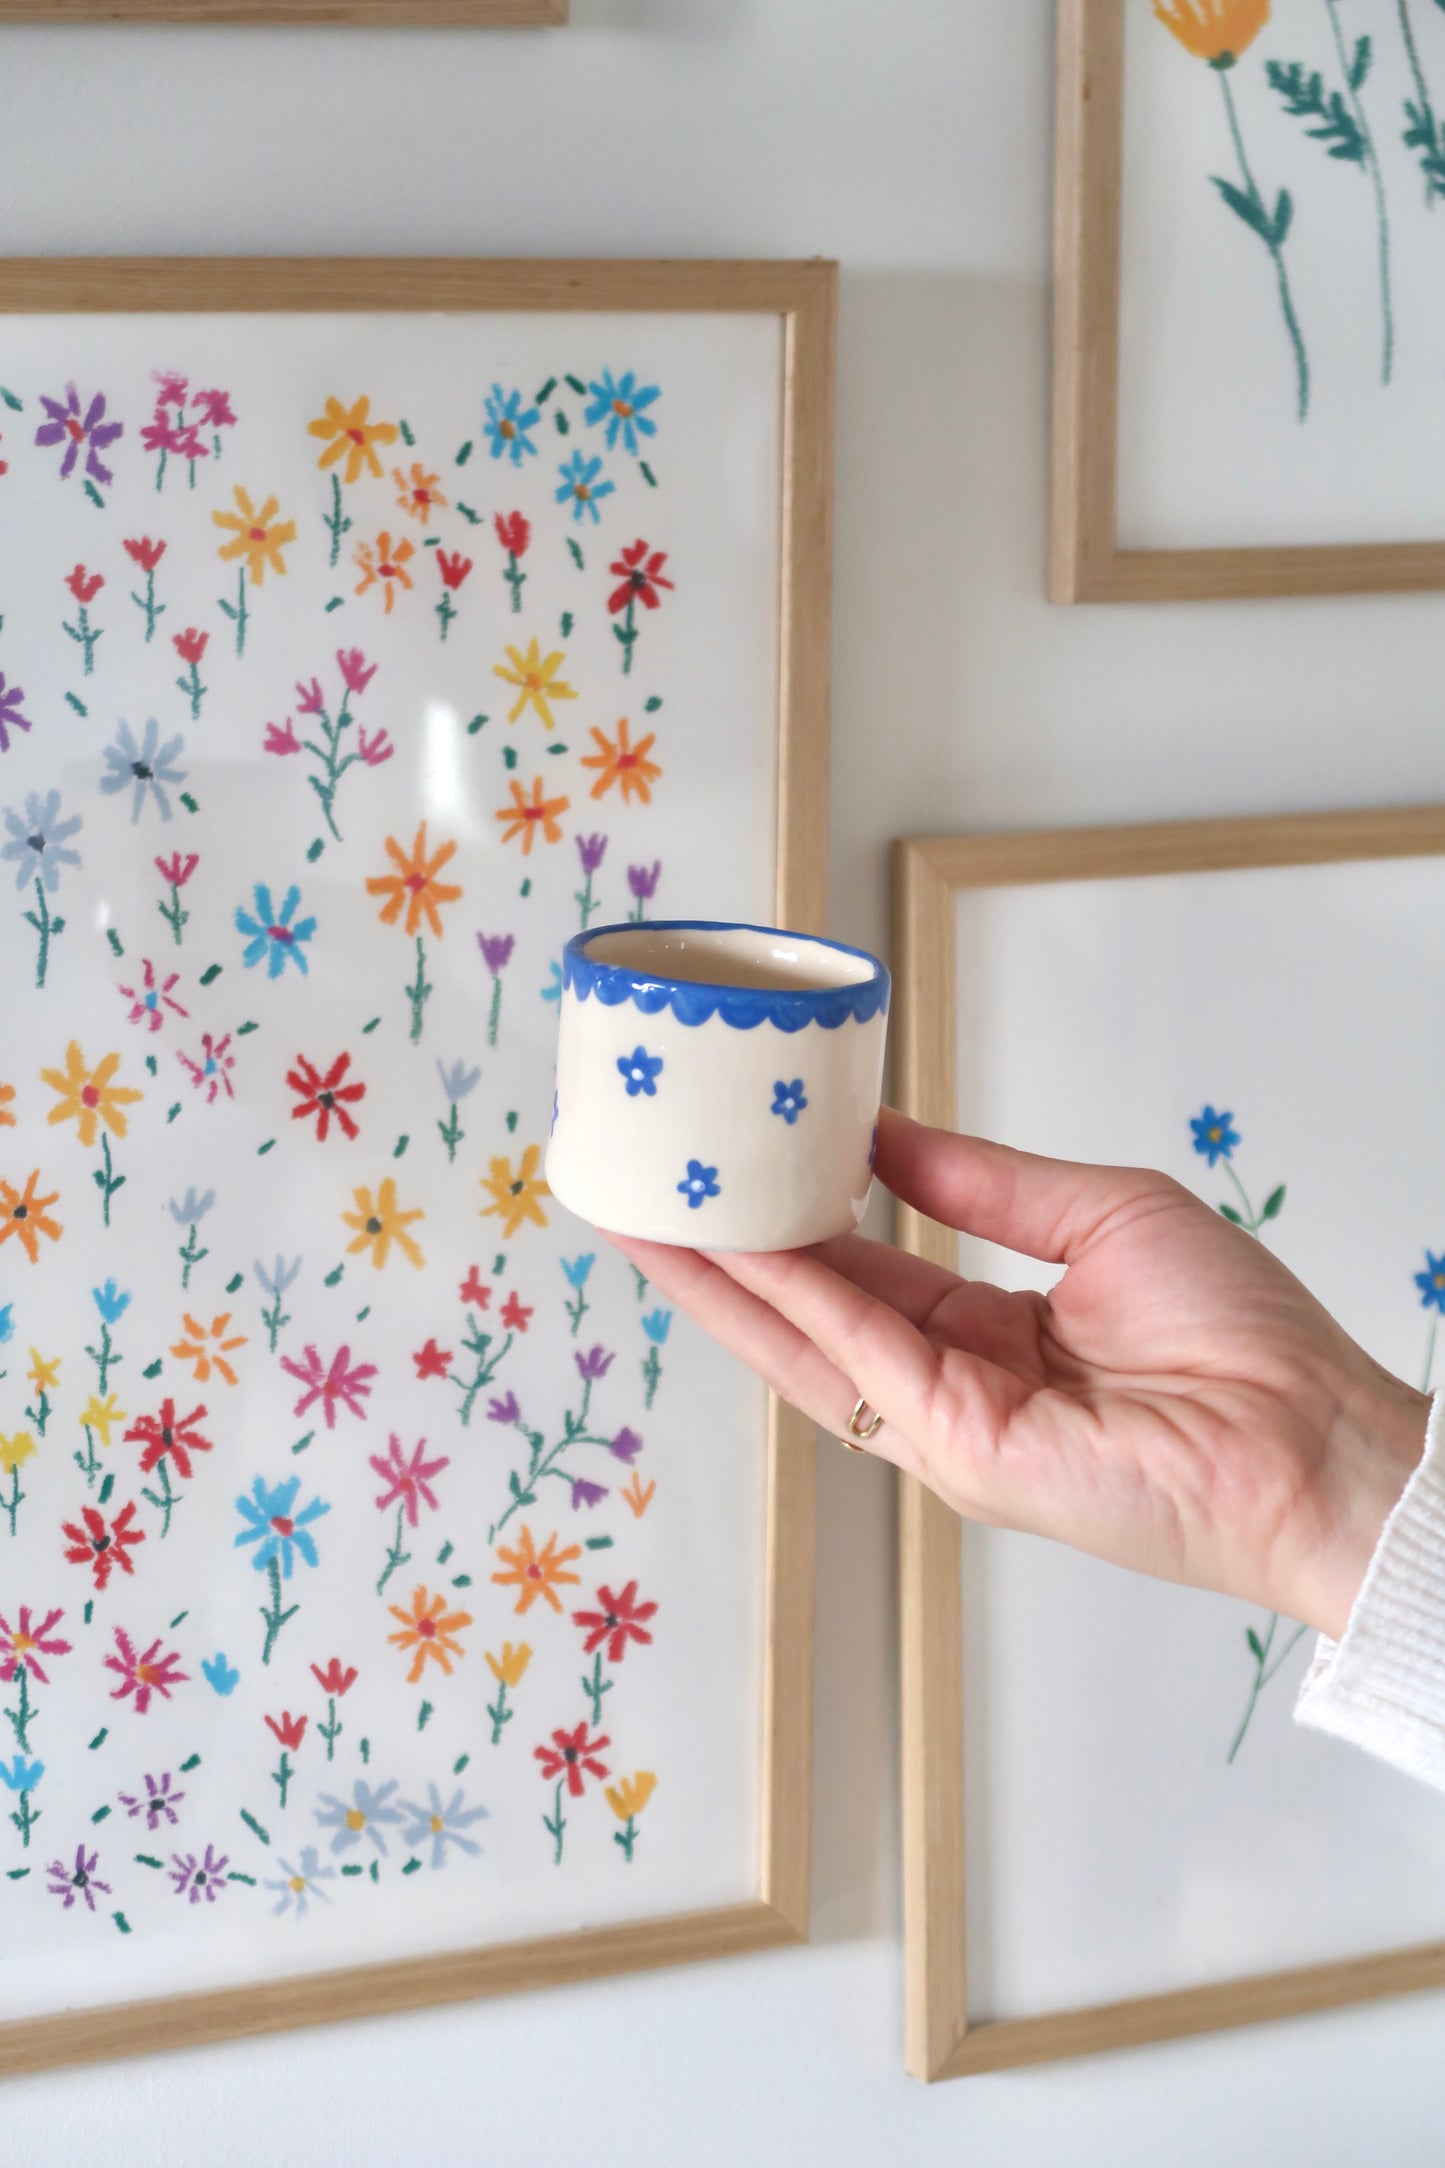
[(415, 883), (24, 1214), (623, 763), (88, 1096), (635, 1497), (7, 1093), (353, 436), (259, 537), (386, 563), (379, 1222), (537, 1573), (523, 817), (1214, 30), (516, 1197), (430, 1629), (420, 496), (207, 1347)]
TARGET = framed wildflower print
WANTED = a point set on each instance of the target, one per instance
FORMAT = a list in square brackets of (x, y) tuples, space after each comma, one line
[(370, 13), (1114, 1830), (398, 1601), (1247, 349)]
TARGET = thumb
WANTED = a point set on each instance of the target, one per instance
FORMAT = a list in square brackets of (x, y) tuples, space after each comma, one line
[(1044, 1208)]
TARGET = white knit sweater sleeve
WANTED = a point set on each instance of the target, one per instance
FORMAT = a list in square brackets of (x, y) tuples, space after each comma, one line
[(1382, 1684)]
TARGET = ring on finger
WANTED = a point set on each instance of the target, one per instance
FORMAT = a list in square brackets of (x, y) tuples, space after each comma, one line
[(859, 1428)]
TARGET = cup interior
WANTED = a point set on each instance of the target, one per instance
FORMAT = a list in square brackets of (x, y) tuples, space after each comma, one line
[(758, 957)]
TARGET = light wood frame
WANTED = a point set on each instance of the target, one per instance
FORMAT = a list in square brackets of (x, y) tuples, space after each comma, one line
[(1085, 561), (371, 14), (942, 2042), (803, 297)]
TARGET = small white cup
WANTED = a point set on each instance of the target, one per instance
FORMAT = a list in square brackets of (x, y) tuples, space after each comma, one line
[(717, 1085)]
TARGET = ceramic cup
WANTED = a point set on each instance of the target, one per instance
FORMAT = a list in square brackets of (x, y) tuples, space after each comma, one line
[(717, 1085)]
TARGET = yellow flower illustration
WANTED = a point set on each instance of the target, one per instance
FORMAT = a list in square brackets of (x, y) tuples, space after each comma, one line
[(510, 1667), (420, 496), (353, 436), (208, 1347), (44, 1376), (379, 1221), (259, 537), (14, 1452), (537, 1573), (631, 1795), (1214, 30), (430, 1629), (98, 1415), (536, 674), (88, 1095), (516, 1197)]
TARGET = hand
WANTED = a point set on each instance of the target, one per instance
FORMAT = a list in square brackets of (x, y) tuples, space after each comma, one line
[(1178, 1403)]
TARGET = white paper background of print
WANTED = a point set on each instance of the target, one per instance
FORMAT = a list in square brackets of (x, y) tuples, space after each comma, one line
[(1210, 450), (1111, 1850), (690, 1706)]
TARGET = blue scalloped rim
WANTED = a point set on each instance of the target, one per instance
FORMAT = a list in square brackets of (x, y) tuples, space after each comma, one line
[(695, 1001)]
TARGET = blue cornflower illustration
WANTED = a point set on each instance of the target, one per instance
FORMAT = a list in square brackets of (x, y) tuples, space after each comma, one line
[(296, 1884), (279, 1278), (111, 1304), (443, 1824), (552, 991), (272, 933), (147, 766), (1431, 1282), (640, 1070), (275, 1530), (701, 1182), (20, 1775), (458, 1080), (1215, 1135), (508, 427), (222, 1676), (789, 1100), (580, 485), (40, 842), (369, 1812), (190, 1210), (7, 1322), (622, 407), (577, 1270), (657, 1325)]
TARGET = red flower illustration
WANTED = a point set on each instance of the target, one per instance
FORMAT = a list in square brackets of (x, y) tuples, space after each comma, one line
[(514, 1315), (213, 1070), (513, 533), (85, 587), (292, 1729), (279, 740), (620, 1620), (103, 1548), (24, 1644), (309, 698), (144, 1674), (178, 869), (453, 567), (147, 999), (145, 553), (409, 1480), (190, 645), (326, 1095), (641, 577), (163, 1433), (335, 1680), (339, 1381), (570, 1753), (353, 667), (374, 751), (432, 1361), (473, 1290)]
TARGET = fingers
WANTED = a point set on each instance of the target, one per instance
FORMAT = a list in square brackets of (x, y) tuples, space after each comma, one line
[(1045, 1208), (911, 1285)]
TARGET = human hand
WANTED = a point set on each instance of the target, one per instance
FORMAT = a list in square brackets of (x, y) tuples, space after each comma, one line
[(1178, 1403)]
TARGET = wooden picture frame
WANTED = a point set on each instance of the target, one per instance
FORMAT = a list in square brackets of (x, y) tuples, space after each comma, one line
[(942, 2040), (278, 14), (1086, 563), (802, 297)]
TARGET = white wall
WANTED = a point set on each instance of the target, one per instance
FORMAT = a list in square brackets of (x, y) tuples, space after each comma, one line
[(911, 140)]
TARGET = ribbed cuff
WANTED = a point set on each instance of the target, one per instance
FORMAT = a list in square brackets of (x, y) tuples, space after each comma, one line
[(1382, 1684)]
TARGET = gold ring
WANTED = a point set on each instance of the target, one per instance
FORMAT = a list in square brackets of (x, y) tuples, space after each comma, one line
[(859, 1429)]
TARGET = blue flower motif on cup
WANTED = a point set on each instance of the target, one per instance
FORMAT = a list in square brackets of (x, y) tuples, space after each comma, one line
[(1215, 1135), (1431, 1282), (639, 1071), (789, 1100), (701, 1182), (873, 1148)]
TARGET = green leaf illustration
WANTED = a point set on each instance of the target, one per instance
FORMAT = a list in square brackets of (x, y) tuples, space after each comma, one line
[(1230, 1214), (1244, 206), (1283, 217), (1360, 65), (1272, 1204), (1303, 94), (1256, 1646), (1426, 137)]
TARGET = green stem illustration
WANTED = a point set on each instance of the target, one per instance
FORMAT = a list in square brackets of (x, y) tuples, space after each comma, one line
[(86, 1462), (331, 1730), (275, 1320), (272, 1613), (651, 1376), (191, 1255), (395, 1556), (478, 1343), (336, 522), (626, 632), (172, 913), (582, 897), (25, 1818), (495, 1012), (22, 1716), (165, 1500), (149, 605), (514, 576), (595, 1687), (334, 763), (544, 1460), (281, 1777), (193, 689), (104, 1357), (554, 1823), (237, 611), (626, 1837), (577, 1309), (85, 636), (107, 1182), (16, 1499), (39, 1415), (419, 991), (1429, 1355), (499, 1713), (1264, 1671), (451, 1132), (446, 610), (47, 928), (1271, 230), (1354, 74)]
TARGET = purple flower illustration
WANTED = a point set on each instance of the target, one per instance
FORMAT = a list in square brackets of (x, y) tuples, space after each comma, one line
[(68, 1883), (505, 1410), (155, 1800), (625, 1446), (585, 1493), (594, 1364), (67, 426), (10, 715), (591, 850), (643, 880), (496, 949), (197, 1878)]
